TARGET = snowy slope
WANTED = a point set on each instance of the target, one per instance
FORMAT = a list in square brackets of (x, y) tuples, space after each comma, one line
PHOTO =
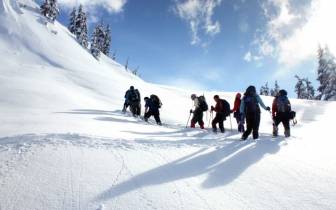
[(64, 143)]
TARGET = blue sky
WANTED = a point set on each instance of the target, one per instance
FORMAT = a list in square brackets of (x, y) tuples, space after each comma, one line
[(221, 45)]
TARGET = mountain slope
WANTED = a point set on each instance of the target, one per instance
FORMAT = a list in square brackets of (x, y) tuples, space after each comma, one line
[(64, 144)]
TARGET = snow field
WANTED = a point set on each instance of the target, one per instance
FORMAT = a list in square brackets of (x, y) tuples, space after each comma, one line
[(64, 143)]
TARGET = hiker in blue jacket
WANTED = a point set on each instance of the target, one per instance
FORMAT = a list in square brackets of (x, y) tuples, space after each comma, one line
[(152, 106), (249, 109)]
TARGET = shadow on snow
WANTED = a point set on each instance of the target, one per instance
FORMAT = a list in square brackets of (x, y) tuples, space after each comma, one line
[(222, 165)]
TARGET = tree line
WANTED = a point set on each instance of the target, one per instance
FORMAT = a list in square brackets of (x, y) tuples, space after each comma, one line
[(304, 89), (100, 41)]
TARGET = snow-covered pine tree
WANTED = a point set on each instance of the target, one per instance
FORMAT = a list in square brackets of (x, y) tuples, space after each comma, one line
[(326, 75), (114, 55), (310, 90), (126, 64), (107, 40), (322, 75), (50, 10), (81, 27), (276, 89), (330, 94), (72, 21), (264, 90), (300, 88), (95, 43)]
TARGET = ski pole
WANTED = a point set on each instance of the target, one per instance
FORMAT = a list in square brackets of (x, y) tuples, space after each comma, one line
[(188, 120)]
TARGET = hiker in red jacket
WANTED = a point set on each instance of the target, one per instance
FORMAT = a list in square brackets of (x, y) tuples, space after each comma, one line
[(222, 109), (281, 108), (236, 112)]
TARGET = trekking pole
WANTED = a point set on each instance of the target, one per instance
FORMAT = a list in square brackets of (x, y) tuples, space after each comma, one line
[(188, 120), (230, 122), (210, 119)]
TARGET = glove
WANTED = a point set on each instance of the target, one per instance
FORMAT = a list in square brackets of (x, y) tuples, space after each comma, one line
[(212, 108), (231, 111), (191, 111), (268, 108)]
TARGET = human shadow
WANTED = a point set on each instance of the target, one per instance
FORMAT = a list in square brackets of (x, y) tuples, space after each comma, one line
[(91, 112), (223, 165), (229, 169)]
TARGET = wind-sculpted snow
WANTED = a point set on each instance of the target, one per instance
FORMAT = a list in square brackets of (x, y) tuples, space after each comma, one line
[(65, 144)]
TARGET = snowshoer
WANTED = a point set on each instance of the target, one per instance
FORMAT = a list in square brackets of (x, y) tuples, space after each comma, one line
[(132, 99), (152, 106), (281, 109), (222, 110), (249, 109), (200, 106), (236, 112)]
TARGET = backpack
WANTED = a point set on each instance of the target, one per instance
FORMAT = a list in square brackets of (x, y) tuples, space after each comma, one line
[(138, 96), (156, 100), (251, 104), (203, 104), (133, 96), (283, 104), (226, 107)]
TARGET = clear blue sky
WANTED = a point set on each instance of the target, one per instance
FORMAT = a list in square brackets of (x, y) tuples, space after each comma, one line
[(222, 45)]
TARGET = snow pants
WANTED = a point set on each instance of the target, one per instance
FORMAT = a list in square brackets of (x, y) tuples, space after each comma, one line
[(197, 118), (252, 125), (282, 117), (219, 118), (135, 108), (237, 115), (156, 115)]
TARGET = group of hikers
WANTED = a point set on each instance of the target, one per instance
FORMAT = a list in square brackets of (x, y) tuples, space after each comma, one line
[(245, 108), (152, 105)]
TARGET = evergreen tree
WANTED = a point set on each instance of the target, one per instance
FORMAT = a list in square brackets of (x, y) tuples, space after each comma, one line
[(114, 55), (326, 75), (72, 22), (50, 10), (276, 89), (81, 27), (97, 40), (300, 88), (107, 40), (126, 65), (310, 91), (264, 90)]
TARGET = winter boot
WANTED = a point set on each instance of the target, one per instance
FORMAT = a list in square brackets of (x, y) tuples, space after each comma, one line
[(214, 130), (287, 133), (275, 131), (241, 128), (192, 124), (202, 125), (243, 138), (255, 135)]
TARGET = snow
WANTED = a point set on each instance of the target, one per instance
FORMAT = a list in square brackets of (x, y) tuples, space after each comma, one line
[(64, 143)]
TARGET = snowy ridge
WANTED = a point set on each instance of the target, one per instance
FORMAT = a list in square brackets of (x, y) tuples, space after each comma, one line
[(64, 143)]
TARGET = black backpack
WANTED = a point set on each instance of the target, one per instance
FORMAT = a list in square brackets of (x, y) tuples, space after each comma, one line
[(156, 100), (226, 107), (283, 104), (251, 104), (203, 104), (133, 96)]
